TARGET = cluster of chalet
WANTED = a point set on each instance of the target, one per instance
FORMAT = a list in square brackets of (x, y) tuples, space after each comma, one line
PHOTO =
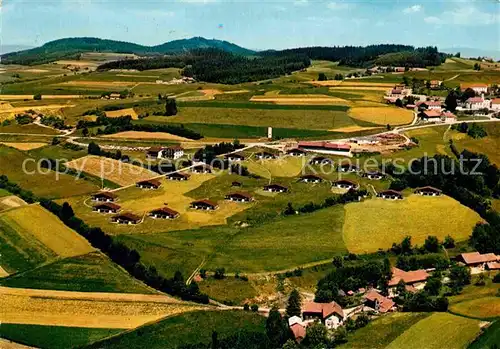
[(173, 153), (399, 91), (478, 262)]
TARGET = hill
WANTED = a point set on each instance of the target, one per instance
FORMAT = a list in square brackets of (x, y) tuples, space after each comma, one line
[(73, 47)]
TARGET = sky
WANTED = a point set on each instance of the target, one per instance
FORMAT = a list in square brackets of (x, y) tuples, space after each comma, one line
[(257, 24)]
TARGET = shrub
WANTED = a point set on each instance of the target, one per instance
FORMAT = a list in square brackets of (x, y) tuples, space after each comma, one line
[(220, 273), (254, 308)]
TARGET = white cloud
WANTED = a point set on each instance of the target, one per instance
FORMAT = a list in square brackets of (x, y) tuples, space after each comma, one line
[(337, 6), (413, 9), (432, 20), (466, 16), (280, 8), (301, 2)]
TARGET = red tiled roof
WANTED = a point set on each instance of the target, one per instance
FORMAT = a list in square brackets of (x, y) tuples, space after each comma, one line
[(495, 101), (475, 100), (476, 257), (466, 86), (385, 303), (299, 331), (493, 265), (323, 309), (432, 113), (409, 277)]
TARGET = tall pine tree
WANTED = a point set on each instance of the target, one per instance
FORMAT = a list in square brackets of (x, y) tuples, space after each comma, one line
[(293, 308)]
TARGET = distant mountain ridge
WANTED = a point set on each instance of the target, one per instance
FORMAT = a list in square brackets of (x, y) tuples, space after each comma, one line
[(71, 47)]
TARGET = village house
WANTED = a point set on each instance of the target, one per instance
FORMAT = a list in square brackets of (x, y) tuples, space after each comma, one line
[(104, 196), (275, 188), (435, 84), (448, 117), (478, 88), (374, 300), (431, 115), (330, 314), (390, 195), (428, 191), (493, 266), (204, 205), (320, 160), (106, 207), (234, 157), (296, 152), (327, 148), (201, 169), (311, 179), (148, 184), (414, 280), (430, 105), (114, 95), (239, 197), (126, 218), (153, 152), (477, 103), (299, 332), (178, 176), (495, 104), (477, 261), (375, 175), (399, 69), (174, 153), (164, 213), (265, 156), (345, 184)]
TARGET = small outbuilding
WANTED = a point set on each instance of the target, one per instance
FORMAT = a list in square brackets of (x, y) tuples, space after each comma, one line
[(126, 218), (239, 197), (204, 205), (164, 213), (178, 176), (106, 207), (104, 196), (428, 191), (149, 184), (390, 195), (275, 188), (236, 184), (348, 168)]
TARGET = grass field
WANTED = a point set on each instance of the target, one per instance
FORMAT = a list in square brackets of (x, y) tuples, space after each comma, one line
[(122, 112), (57, 152), (189, 328), (228, 289), (382, 331), (54, 337), (382, 115), (92, 272), (148, 135), (113, 170), (44, 184), (31, 235), (375, 224), (283, 167), (488, 145), (454, 332), (30, 128), (24, 146)]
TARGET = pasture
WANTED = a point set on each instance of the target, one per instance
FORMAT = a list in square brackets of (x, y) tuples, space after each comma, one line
[(286, 166), (113, 170), (477, 301), (7, 202), (488, 145), (122, 112), (24, 146), (454, 332), (230, 290), (382, 115), (376, 223), (489, 337), (189, 328), (140, 135), (92, 272)]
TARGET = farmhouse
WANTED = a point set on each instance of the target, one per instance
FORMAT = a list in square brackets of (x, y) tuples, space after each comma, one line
[(239, 197), (148, 184), (275, 188), (430, 105), (311, 179), (428, 191), (448, 117), (235, 157), (320, 160), (431, 115), (177, 176), (414, 280), (172, 153), (377, 302), (114, 96), (477, 103), (478, 88), (265, 156), (390, 195), (164, 213), (205, 205), (327, 148), (296, 152), (104, 196), (477, 261), (493, 266), (201, 169), (345, 184), (376, 175), (495, 104), (330, 314), (106, 207), (126, 218)]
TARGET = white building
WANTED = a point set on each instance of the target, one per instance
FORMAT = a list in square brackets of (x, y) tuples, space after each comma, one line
[(477, 103), (478, 88), (495, 104)]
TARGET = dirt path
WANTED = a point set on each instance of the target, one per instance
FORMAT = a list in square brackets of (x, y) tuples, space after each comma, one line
[(453, 77)]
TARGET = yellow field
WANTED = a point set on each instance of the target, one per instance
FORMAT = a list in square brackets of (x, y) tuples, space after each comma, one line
[(171, 193), (12, 201), (312, 99), (487, 307), (147, 135), (282, 167), (43, 226), (122, 112), (21, 97), (98, 84), (376, 223), (351, 88), (382, 115), (24, 146), (63, 308), (110, 169), (3, 272), (349, 129), (367, 84), (326, 83)]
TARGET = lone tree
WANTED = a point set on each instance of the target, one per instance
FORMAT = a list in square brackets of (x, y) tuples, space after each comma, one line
[(431, 244), (276, 328), (170, 107), (294, 306), (322, 77), (451, 101)]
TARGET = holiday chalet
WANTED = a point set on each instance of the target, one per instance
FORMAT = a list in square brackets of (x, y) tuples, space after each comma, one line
[(296, 152), (311, 179), (345, 184), (148, 184), (202, 169), (106, 207), (428, 191), (390, 195), (375, 175), (320, 160), (177, 176), (239, 197), (126, 218), (265, 156), (104, 196), (235, 157), (204, 205), (164, 213), (275, 188)]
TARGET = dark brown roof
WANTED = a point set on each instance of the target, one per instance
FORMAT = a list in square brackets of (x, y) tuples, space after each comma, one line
[(128, 216), (205, 202), (276, 186), (166, 210), (106, 194), (108, 205), (428, 188), (245, 195), (311, 176), (391, 192), (174, 174), (346, 181), (153, 182)]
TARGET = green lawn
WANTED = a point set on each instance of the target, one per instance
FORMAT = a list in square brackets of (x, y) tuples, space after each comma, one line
[(188, 328), (440, 330), (92, 272), (30, 128), (382, 331), (228, 290), (4, 192), (488, 145), (54, 337), (489, 338), (57, 152)]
